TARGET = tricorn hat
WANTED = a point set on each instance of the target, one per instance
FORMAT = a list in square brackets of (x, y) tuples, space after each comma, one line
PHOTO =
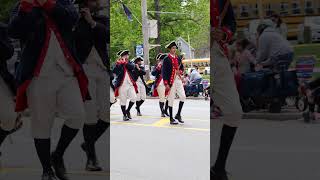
[(138, 58), (171, 44), (123, 53)]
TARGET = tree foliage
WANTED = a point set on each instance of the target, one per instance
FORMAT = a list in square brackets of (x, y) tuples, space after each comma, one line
[(6, 7), (195, 23)]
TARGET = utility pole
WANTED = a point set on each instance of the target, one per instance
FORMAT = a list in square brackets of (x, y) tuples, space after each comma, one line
[(145, 32)]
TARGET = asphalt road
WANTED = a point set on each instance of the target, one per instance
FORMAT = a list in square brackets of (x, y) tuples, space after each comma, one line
[(148, 148), (272, 150)]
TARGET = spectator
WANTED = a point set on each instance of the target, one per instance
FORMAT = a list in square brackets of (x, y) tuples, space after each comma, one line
[(244, 57), (280, 26), (195, 77), (186, 80), (272, 48)]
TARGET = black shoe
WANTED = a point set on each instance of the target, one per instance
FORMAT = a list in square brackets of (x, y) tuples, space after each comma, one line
[(166, 113), (92, 163), (129, 115), (162, 114), (173, 122), (48, 175), (138, 112), (178, 117), (218, 176), (125, 118), (59, 168)]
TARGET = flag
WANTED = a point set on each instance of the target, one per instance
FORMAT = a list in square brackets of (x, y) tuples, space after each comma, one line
[(128, 12)]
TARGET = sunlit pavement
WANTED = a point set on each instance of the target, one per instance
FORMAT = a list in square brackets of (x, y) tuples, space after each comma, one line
[(148, 148)]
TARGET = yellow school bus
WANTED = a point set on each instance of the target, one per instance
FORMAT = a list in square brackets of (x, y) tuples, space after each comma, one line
[(203, 65), (292, 11)]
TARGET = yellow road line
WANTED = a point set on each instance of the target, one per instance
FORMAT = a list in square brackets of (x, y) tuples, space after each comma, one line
[(162, 122), (161, 126), (156, 117)]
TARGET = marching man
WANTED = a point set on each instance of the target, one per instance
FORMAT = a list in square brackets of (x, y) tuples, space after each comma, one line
[(172, 72), (91, 43), (50, 78), (142, 94), (125, 85), (225, 93), (7, 87), (159, 87)]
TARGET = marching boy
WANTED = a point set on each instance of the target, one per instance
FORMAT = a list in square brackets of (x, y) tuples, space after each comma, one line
[(225, 93), (139, 73), (159, 87), (50, 78), (125, 85), (7, 87), (172, 72), (91, 43)]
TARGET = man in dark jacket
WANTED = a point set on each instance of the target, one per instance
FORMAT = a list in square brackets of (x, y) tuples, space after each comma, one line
[(7, 87), (125, 85), (50, 78), (226, 97), (172, 72), (91, 37)]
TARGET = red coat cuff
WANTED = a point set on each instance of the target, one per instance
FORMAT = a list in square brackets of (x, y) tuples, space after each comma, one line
[(228, 34), (26, 6), (49, 5)]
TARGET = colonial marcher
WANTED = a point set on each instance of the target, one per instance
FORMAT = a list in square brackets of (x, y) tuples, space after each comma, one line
[(139, 73), (91, 36), (7, 87), (125, 85), (159, 88), (225, 93), (172, 72), (112, 89), (50, 78)]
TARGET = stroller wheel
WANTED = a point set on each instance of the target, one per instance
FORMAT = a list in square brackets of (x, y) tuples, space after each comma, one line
[(302, 104)]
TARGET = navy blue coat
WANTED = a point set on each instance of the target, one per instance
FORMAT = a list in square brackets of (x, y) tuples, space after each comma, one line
[(119, 70), (167, 70), (29, 23)]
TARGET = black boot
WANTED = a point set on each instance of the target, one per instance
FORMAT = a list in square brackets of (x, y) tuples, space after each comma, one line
[(67, 135), (48, 175), (43, 152), (161, 104), (227, 136), (178, 115), (125, 117), (172, 121), (88, 147), (3, 135), (138, 104), (218, 176), (166, 109), (128, 110)]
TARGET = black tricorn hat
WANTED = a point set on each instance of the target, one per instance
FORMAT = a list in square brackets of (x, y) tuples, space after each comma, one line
[(158, 56), (171, 44), (81, 1), (123, 53), (138, 58)]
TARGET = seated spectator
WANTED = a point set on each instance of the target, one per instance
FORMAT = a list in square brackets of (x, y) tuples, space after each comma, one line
[(195, 77), (279, 25), (272, 48)]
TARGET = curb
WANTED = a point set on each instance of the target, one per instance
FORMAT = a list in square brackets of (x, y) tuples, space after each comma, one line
[(273, 116)]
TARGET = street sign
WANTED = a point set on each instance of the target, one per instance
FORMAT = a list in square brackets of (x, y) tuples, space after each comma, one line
[(153, 28), (139, 50)]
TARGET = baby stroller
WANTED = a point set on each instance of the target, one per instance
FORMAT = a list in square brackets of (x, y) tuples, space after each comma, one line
[(267, 89)]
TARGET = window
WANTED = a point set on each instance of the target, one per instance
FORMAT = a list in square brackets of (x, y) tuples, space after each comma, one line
[(255, 10), (244, 10), (269, 10), (309, 7), (284, 8), (296, 7)]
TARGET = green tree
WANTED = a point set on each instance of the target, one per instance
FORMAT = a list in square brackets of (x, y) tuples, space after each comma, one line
[(195, 23), (6, 7)]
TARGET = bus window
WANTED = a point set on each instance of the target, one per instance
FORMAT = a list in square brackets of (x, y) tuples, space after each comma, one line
[(244, 10), (296, 7), (284, 8), (308, 7)]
